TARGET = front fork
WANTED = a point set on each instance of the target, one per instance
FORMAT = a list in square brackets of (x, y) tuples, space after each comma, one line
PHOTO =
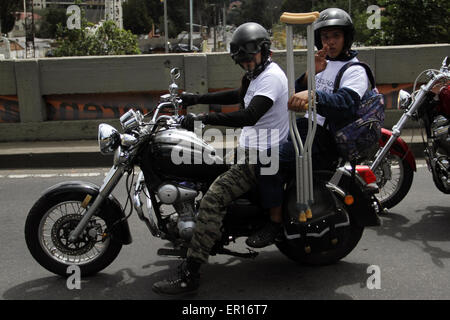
[(396, 132), (110, 182)]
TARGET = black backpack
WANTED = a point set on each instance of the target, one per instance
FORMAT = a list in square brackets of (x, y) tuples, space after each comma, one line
[(355, 140)]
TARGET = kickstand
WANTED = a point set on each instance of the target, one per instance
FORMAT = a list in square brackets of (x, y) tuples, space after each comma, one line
[(251, 253)]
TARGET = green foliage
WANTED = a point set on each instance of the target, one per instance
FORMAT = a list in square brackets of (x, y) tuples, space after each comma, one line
[(50, 19), (136, 17), (402, 21), (415, 21), (107, 39), (254, 11)]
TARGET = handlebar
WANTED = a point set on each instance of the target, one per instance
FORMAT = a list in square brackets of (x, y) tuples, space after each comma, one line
[(159, 107)]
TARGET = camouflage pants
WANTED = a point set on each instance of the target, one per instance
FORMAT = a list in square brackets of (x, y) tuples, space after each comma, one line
[(239, 179)]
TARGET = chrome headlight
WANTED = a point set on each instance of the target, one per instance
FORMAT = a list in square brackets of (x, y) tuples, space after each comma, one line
[(108, 138), (403, 100)]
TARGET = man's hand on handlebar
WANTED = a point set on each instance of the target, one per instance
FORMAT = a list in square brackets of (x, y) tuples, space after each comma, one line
[(187, 122), (189, 99)]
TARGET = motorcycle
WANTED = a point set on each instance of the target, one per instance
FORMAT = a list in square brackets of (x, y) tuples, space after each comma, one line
[(79, 223), (394, 163)]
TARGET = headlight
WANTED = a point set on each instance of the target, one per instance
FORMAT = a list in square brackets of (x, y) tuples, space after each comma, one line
[(403, 99), (108, 138)]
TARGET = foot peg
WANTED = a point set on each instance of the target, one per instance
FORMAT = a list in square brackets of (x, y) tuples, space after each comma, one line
[(181, 252)]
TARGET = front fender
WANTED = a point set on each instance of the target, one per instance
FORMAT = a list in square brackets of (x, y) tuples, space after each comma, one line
[(111, 210), (399, 148)]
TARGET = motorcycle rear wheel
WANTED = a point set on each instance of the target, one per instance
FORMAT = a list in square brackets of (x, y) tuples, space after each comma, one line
[(320, 245), (48, 227), (295, 250)]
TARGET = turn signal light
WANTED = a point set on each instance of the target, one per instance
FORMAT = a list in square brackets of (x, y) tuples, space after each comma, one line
[(349, 200)]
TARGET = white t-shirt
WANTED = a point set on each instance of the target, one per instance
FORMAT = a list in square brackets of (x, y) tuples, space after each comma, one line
[(354, 78), (273, 127)]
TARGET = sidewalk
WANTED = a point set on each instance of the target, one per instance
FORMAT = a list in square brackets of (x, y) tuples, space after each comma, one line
[(85, 153)]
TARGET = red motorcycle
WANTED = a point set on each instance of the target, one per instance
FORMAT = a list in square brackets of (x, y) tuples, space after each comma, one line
[(394, 163)]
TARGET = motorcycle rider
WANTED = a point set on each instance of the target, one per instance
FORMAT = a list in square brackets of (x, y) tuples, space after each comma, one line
[(333, 34), (264, 118)]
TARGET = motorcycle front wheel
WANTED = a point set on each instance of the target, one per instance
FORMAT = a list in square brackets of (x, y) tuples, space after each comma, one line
[(47, 230), (394, 178)]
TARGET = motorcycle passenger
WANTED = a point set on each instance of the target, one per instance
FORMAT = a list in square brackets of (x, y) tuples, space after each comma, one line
[(264, 118), (333, 34)]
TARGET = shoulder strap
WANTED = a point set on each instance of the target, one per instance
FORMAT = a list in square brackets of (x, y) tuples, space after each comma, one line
[(340, 73)]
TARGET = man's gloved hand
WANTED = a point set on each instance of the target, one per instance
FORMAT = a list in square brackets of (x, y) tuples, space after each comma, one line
[(188, 121), (189, 99)]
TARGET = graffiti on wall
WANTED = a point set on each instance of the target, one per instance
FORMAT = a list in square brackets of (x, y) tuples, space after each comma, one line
[(98, 106), (9, 109), (113, 105)]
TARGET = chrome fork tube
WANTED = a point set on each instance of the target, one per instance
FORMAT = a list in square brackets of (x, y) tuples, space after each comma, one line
[(110, 182), (150, 223), (398, 127)]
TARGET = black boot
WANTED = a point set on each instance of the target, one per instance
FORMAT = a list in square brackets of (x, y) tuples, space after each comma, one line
[(186, 279), (265, 236)]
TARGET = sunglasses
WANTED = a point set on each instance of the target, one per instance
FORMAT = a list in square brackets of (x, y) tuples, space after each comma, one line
[(249, 48)]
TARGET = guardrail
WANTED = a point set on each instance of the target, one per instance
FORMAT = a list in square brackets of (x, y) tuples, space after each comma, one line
[(66, 98)]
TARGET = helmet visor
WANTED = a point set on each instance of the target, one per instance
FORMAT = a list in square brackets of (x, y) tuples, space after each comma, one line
[(249, 47)]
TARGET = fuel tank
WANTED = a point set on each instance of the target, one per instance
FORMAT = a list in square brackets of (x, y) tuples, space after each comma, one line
[(178, 153)]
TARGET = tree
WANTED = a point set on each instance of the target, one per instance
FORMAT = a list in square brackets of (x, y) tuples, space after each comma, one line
[(48, 26), (296, 6), (136, 17), (415, 21), (105, 39), (8, 8), (402, 21)]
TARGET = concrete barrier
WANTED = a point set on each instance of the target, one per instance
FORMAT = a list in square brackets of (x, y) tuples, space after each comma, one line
[(32, 81)]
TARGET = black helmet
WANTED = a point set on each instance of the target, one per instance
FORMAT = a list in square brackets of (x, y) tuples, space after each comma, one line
[(249, 38), (334, 17)]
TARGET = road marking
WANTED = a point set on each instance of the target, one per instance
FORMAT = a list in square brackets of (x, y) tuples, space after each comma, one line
[(52, 175)]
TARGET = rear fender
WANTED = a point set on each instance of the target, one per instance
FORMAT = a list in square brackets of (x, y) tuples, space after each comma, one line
[(399, 148), (363, 208), (111, 210)]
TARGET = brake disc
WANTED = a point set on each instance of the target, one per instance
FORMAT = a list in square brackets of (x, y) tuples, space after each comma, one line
[(60, 236)]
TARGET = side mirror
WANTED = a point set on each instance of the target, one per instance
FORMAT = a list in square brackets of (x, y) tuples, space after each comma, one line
[(444, 67), (175, 74)]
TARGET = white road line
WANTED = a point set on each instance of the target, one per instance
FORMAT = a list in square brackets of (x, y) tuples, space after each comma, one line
[(56, 175), (51, 175)]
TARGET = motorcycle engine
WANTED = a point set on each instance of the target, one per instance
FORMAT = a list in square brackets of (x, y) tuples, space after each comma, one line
[(440, 130), (182, 198)]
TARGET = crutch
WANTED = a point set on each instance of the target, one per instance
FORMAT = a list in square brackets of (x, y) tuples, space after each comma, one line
[(303, 160)]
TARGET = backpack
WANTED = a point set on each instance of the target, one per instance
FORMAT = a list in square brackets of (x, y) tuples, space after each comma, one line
[(358, 138)]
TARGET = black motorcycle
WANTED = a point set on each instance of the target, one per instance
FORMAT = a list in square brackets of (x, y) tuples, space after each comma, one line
[(79, 223)]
